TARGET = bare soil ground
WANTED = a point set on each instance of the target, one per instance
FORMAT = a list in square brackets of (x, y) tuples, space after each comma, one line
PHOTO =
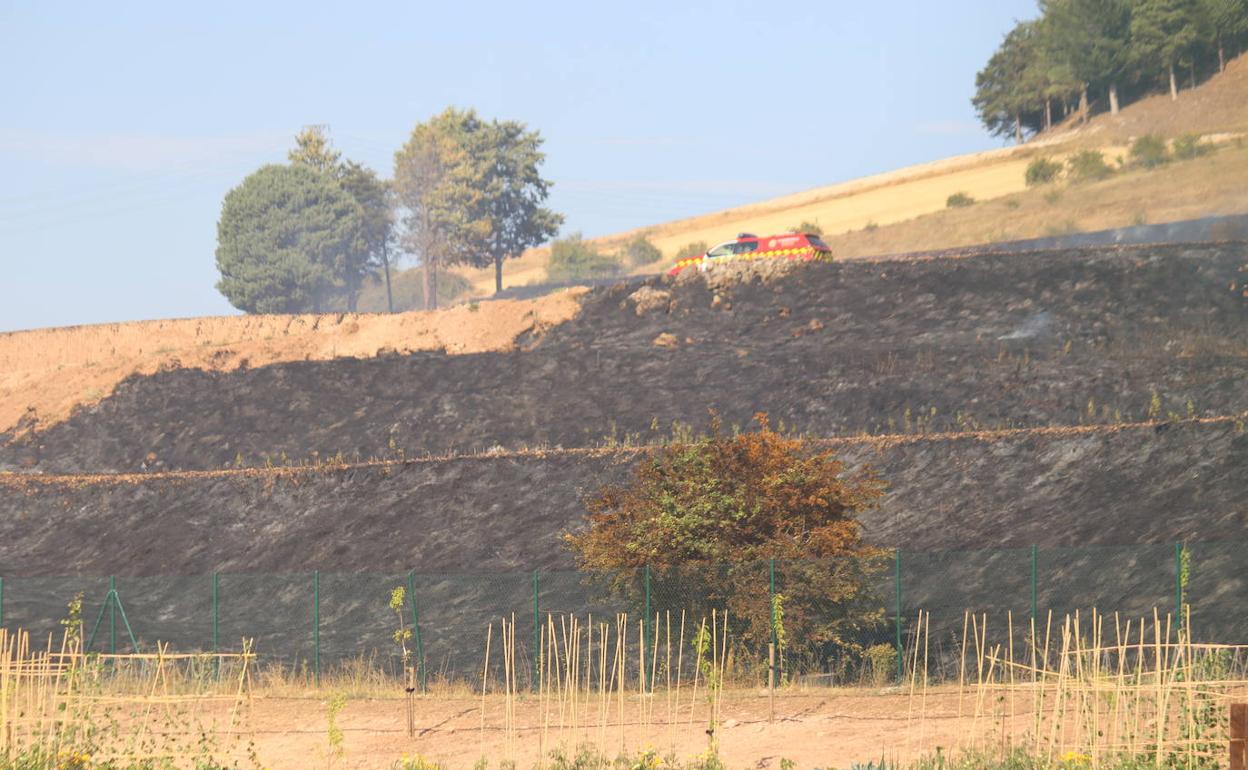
[(814, 728), (46, 373)]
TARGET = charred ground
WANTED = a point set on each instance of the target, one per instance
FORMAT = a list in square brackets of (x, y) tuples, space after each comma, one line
[(889, 346), (1094, 339)]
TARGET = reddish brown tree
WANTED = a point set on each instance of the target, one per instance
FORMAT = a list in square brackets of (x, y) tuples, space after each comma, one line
[(708, 515)]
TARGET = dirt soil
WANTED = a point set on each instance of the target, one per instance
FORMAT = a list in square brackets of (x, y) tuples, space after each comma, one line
[(813, 728), (46, 373)]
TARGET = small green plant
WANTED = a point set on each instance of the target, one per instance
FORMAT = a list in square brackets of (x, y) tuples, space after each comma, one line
[(871, 226), (72, 622), (882, 663), (640, 251), (474, 306), (403, 634), (333, 733), (959, 200), (1154, 406), (420, 763), (1088, 166), (1190, 145), (1012, 203), (808, 227), (1052, 196), (1042, 171), (695, 249), (1149, 151), (574, 258)]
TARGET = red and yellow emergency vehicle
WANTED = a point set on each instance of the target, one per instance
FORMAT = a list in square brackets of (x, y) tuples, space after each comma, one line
[(803, 246)]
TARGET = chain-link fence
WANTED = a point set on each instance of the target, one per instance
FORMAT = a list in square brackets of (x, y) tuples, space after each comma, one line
[(822, 612)]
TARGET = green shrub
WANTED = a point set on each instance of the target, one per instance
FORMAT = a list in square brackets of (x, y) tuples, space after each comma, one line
[(574, 259), (640, 251), (695, 249), (1088, 166), (809, 227), (959, 200), (881, 661), (1189, 145), (1149, 151), (1042, 171)]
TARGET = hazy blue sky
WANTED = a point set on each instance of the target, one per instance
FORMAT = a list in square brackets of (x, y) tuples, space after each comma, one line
[(122, 125)]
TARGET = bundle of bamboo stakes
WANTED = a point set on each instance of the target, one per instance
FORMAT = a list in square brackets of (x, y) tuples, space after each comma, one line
[(55, 698), (593, 679), (1090, 686)]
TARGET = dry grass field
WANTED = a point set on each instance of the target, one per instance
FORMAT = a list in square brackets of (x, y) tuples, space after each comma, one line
[(54, 370), (908, 205)]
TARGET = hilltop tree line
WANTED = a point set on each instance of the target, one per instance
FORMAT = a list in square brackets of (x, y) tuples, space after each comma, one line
[(1048, 68), (305, 235)]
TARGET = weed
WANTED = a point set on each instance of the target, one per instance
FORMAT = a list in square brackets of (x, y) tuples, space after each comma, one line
[(1042, 171), (871, 226), (474, 306), (1088, 166), (959, 200), (1012, 203), (333, 733), (1189, 145), (1149, 151), (420, 763), (1053, 196)]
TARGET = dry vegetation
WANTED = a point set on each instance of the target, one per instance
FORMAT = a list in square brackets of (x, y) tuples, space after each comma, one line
[(53, 370), (1080, 691), (908, 205)]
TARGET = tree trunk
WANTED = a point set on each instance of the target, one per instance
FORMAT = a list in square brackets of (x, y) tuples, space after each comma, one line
[(385, 264), (1018, 128), (1221, 55), (1174, 85), (1113, 98), (433, 288), (498, 274), (426, 284), (1083, 104), (1048, 113)]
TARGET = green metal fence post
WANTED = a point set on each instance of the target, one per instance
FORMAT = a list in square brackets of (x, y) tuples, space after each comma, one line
[(1034, 560), (216, 624), (537, 632), (316, 624), (420, 647), (775, 636), (112, 614), (645, 632), (897, 582)]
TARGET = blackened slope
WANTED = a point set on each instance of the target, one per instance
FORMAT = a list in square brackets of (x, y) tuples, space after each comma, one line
[(1022, 339), (489, 514)]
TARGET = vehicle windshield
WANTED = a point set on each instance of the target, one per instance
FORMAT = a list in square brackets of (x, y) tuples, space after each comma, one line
[(723, 250)]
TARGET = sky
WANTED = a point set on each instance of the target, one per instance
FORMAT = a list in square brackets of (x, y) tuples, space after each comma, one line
[(123, 125)]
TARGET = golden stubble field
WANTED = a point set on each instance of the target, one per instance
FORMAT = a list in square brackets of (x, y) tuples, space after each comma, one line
[(53, 370)]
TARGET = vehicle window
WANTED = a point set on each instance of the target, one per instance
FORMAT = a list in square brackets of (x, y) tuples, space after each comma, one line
[(722, 250), (745, 247), (816, 241)]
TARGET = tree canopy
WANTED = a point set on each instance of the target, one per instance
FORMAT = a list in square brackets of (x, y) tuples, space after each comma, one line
[(283, 241), (473, 192), (706, 515), (1100, 46)]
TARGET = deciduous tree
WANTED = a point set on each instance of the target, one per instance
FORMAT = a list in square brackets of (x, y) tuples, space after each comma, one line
[(706, 515)]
